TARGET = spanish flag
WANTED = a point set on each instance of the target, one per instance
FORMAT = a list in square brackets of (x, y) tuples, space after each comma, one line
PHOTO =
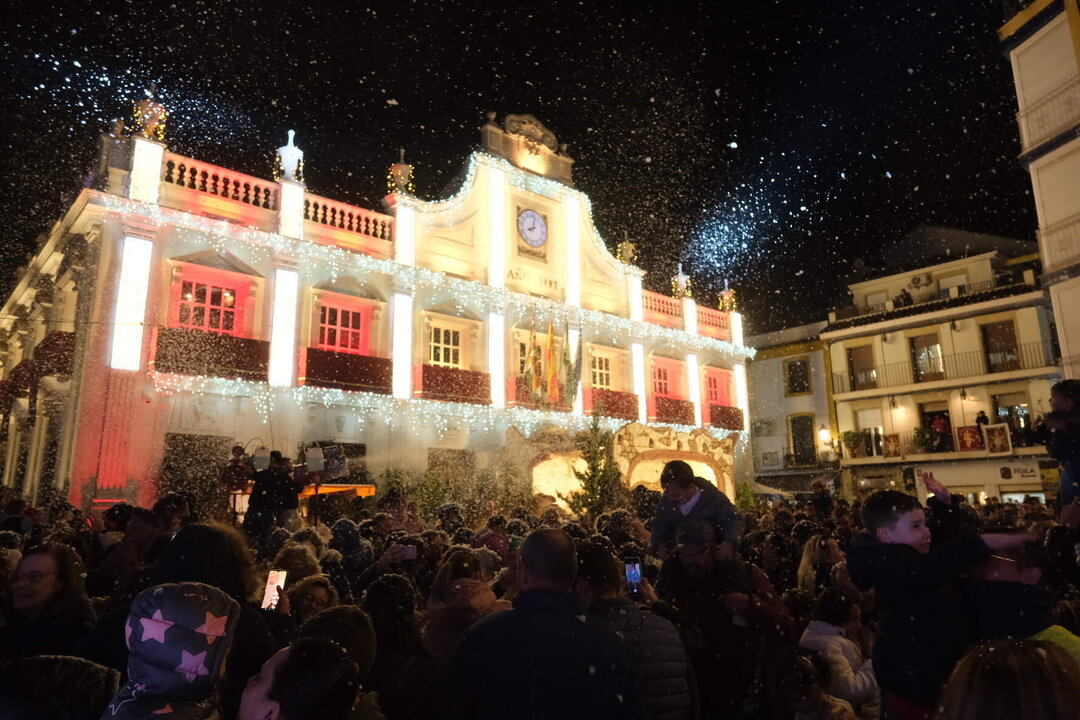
[(552, 368)]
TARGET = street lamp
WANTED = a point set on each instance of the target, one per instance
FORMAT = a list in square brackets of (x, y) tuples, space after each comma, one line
[(824, 435)]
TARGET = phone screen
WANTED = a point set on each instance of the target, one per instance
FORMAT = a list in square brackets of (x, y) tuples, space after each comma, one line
[(408, 552), (274, 580), (632, 567)]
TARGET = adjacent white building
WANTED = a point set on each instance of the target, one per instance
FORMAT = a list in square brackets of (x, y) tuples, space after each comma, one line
[(945, 368), (1042, 39), (793, 427)]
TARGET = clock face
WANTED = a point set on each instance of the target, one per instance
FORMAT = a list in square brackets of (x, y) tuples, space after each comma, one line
[(532, 228)]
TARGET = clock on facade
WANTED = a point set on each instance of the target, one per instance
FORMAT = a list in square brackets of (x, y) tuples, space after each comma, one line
[(532, 228)]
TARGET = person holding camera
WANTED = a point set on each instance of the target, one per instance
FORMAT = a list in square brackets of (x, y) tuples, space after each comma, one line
[(1059, 431)]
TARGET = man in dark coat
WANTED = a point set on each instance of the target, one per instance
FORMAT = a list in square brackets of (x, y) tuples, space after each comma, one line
[(544, 658), (653, 641), (687, 497), (733, 606)]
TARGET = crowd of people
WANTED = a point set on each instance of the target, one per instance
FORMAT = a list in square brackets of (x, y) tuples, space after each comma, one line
[(677, 605)]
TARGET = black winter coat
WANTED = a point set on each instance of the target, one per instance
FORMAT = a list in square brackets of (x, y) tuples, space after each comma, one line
[(924, 627), (544, 659), (657, 648), (713, 506)]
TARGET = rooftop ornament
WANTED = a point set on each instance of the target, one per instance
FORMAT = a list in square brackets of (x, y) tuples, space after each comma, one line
[(290, 161), (150, 116)]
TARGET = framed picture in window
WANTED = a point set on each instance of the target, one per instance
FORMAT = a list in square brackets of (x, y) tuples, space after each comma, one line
[(997, 439), (970, 438), (891, 445)]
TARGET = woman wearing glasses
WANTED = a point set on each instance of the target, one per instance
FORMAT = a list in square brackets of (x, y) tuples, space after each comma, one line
[(47, 611)]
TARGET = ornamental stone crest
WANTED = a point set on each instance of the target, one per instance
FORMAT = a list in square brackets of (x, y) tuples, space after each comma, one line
[(532, 131)]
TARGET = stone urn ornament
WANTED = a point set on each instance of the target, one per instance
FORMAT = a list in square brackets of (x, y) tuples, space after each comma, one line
[(291, 161)]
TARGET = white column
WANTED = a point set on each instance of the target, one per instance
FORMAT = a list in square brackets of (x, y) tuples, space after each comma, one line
[(635, 297), (573, 337), (689, 313), (144, 183), (283, 328), (401, 317), (572, 211), (693, 385), (291, 209), (405, 234), (129, 314), (742, 397), (496, 326), (497, 228), (637, 360), (736, 328)]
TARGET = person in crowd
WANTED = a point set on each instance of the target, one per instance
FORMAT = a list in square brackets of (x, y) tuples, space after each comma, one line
[(804, 686), (496, 538), (312, 678), (403, 556), (1060, 433), (178, 636), (218, 555), (274, 500), (923, 629), (310, 596), (544, 658), (55, 687), (821, 564), (15, 517), (1004, 599), (736, 610), (460, 595), (405, 673), (351, 628), (851, 674), (172, 511), (357, 553), (981, 418), (298, 561), (49, 612), (123, 570), (688, 497), (780, 555), (654, 642), (331, 561), (1006, 679)]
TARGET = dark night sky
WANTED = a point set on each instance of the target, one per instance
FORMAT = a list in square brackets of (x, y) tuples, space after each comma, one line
[(769, 142)]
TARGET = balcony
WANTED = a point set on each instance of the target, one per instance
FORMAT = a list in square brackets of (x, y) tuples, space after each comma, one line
[(728, 418), (817, 460), (1026, 356), (611, 403), (520, 394), (662, 310), (345, 371), (713, 323), (193, 352), (1060, 243), (672, 410), (435, 382), (931, 299), (1050, 116)]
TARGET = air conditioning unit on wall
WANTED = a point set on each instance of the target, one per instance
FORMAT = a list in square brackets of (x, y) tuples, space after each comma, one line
[(921, 279)]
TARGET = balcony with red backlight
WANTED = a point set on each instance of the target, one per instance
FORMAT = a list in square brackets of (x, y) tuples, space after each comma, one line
[(186, 351), (727, 418), (451, 384), (345, 371), (611, 403), (664, 409)]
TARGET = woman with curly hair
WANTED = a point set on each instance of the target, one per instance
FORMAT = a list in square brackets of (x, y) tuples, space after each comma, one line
[(311, 596)]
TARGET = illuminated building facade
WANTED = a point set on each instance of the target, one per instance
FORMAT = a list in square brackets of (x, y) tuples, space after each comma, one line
[(179, 308)]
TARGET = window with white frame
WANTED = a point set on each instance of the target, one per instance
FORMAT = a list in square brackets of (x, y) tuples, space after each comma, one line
[(601, 371), (523, 357), (340, 329), (207, 306), (660, 380), (445, 347)]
